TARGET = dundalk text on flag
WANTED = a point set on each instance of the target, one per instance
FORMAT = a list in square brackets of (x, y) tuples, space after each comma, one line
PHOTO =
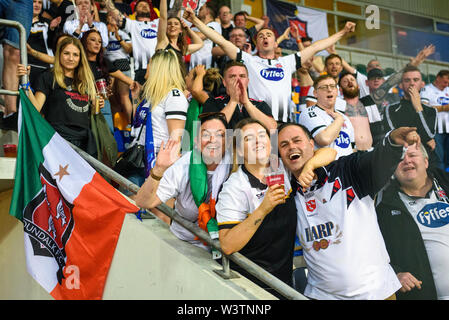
[(72, 217)]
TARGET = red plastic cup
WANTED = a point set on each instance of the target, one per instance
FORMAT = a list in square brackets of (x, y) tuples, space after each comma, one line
[(102, 87), (275, 178), (10, 150)]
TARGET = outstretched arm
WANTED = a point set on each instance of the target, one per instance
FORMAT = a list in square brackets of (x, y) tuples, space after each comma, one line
[(319, 45), (228, 47), (162, 40), (379, 94)]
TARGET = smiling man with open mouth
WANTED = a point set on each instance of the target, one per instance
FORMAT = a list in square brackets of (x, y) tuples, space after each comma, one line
[(328, 126)]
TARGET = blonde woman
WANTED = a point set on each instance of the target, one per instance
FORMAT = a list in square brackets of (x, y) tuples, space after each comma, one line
[(164, 103), (65, 94)]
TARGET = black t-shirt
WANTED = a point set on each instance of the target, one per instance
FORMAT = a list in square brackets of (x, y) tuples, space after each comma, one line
[(272, 245), (96, 70), (218, 104), (225, 31), (65, 107), (66, 10)]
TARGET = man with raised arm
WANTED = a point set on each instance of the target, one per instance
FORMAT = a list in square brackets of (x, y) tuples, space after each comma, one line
[(143, 33), (337, 224), (270, 78)]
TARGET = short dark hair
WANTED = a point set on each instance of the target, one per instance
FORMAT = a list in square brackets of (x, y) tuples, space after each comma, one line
[(234, 63), (240, 13), (321, 78), (410, 68), (288, 124), (304, 39), (206, 116), (332, 56), (343, 74), (246, 121), (443, 73)]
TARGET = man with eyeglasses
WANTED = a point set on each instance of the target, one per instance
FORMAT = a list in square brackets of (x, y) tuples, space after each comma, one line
[(270, 78), (240, 19), (238, 37), (328, 126), (172, 177)]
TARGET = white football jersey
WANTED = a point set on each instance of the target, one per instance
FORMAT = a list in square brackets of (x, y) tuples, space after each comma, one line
[(337, 226), (204, 55), (271, 81), (316, 120), (144, 40), (432, 96)]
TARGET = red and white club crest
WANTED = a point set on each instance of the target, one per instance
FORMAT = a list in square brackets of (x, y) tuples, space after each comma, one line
[(49, 222), (311, 205), (190, 3), (300, 25)]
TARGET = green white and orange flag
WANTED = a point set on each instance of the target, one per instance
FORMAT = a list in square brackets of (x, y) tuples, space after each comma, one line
[(72, 217)]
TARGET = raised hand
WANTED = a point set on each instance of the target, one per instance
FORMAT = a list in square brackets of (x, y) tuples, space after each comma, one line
[(349, 27), (189, 14), (168, 154), (405, 136)]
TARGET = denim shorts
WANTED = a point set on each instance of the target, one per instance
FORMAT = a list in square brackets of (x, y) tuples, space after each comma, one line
[(16, 10)]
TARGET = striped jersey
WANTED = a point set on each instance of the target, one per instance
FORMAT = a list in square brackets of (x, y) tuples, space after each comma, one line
[(315, 119), (144, 40), (433, 96)]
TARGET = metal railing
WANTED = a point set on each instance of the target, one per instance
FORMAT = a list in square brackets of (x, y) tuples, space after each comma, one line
[(23, 51), (255, 270), (261, 274)]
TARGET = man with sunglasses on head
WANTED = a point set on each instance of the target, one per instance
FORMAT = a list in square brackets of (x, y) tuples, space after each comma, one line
[(235, 104), (172, 176), (270, 77), (328, 126)]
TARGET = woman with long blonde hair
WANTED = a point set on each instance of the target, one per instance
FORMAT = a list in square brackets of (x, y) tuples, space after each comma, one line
[(66, 94), (164, 107)]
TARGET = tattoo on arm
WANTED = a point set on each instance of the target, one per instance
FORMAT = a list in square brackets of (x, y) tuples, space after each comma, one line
[(257, 222)]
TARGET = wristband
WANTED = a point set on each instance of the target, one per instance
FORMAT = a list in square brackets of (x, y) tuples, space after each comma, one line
[(298, 40), (76, 34), (25, 86), (155, 177)]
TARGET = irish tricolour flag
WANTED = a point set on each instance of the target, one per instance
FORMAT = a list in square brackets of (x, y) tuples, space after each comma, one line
[(71, 216)]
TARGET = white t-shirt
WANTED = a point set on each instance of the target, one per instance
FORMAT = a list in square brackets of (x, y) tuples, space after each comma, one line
[(114, 50), (204, 55), (342, 244), (173, 106), (271, 81), (316, 120), (144, 40), (432, 96), (432, 218), (175, 183), (70, 27)]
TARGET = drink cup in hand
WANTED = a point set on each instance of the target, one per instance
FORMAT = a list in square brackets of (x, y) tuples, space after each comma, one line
[(102, 88)]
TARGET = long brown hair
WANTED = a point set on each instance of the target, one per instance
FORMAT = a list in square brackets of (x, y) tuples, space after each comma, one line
[(83, 79)]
